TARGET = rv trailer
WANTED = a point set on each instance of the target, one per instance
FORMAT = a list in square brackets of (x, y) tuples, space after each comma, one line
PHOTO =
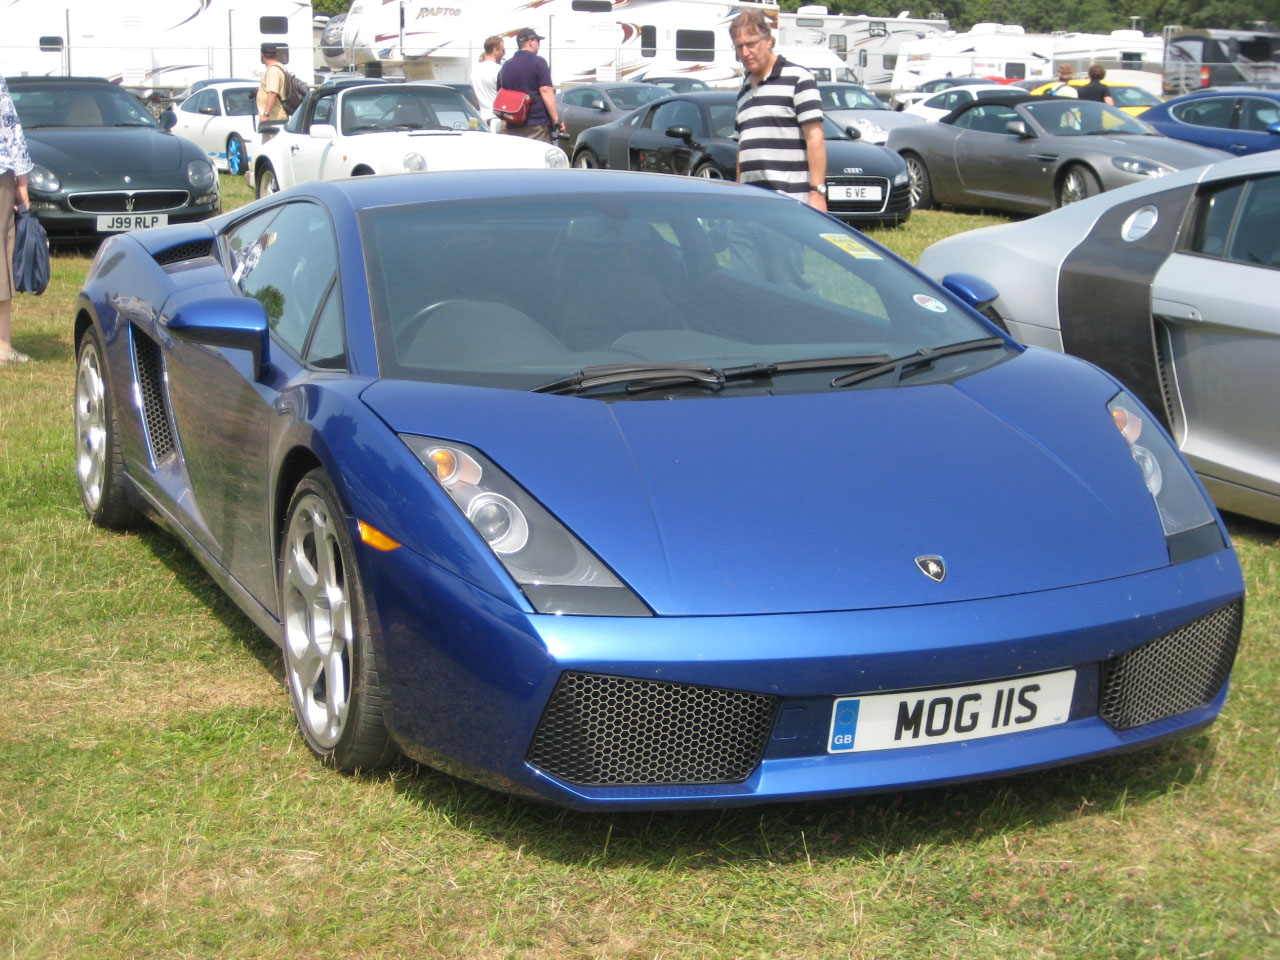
[(153, 47), (1003, 51), (1219, 58), (585, 40), (869, 45)]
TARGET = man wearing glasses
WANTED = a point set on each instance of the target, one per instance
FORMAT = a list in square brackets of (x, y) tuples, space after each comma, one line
[(780, 142)]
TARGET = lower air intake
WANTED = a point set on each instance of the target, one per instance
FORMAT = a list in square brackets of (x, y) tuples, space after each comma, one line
[(614, 731), (1172, 674)]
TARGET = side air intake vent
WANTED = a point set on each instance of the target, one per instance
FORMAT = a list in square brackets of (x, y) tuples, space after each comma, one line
[(155, 408), (609, 731), (1172, 674), (185, 251)]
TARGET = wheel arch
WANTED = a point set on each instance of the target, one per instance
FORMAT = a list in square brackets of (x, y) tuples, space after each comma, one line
[(1084, 165)]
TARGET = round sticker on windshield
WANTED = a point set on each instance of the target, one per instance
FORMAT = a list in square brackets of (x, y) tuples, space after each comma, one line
[(929, 303)]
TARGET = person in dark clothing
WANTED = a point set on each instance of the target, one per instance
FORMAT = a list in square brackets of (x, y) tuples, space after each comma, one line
[(1095, 89), (529, 73)]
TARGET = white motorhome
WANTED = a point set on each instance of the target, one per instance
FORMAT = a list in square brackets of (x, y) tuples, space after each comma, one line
[(998, 50), (869, 45), (585, 40), (153, 46)]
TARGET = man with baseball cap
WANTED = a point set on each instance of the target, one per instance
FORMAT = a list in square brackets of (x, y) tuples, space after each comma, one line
[(274, 86), (529, 73)]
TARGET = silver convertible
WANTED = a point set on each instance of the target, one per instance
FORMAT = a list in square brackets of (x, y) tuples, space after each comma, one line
[(1172, 286), (1031, 154)]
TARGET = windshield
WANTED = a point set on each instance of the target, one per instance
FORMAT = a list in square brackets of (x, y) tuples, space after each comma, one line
[(517, 292), (374, 108), (1071, 118), (1133, 97), (849, 97), (628, 98), (79, 105)]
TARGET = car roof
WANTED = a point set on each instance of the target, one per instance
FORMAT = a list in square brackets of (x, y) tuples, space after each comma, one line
[(1273, 94), (25, 80)]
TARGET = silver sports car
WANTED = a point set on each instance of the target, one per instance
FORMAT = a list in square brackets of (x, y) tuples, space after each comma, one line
[(1031, 154), (1174, 287)]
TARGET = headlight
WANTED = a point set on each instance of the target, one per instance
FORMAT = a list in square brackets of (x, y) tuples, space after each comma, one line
[(1140, 168), (556, 158), (901, 179), (43, 179), (556, 571), (869, 129), (200, 173), (1181, 505), (415, 163)]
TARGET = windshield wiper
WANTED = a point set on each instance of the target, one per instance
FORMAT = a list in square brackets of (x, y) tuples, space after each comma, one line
[(922, 357), (648, 376)]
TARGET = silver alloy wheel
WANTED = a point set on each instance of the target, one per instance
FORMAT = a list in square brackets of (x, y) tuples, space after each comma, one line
[(585, 160), (709, 171), (1077, 185), (267, 183), (318, 631), (915, 171), (91, 427)]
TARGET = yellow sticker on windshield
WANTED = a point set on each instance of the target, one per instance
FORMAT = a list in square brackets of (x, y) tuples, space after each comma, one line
[(851, 246)]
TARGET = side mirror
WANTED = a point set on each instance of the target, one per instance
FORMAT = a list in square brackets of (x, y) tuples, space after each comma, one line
[(323, 131), (598, 104), (1274, 128), (238, 323), (679, 132), (168, 119), (853, 132), (1019, 129), (977, 293)]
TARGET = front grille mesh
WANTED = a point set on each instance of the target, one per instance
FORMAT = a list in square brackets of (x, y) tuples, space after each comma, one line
[(600, 730), (185, 251), (154, 414), (1169, 675), (117, 201)]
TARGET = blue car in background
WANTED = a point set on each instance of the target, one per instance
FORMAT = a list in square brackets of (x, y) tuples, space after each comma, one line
[(1240, 119), (702, 498)]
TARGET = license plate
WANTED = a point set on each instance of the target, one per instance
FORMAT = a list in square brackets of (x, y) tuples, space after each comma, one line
[(854, 193), (891, 721), (115, 222)]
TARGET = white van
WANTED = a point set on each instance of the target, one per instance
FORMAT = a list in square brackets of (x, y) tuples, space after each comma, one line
[(823, 62)]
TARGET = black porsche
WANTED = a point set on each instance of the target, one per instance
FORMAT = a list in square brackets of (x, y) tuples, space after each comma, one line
[(693, 135)]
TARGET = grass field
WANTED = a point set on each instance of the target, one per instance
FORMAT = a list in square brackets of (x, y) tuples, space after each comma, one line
[(157, 801)]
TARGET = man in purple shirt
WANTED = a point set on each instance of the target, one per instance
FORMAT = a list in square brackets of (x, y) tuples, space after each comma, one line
[(529, 73)]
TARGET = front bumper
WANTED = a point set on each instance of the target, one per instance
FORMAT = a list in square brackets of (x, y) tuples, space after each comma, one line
[(64, 216), (469, 678)]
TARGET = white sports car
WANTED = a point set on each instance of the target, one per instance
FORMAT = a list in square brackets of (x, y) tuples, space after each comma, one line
[(355, 129), (220, 119)]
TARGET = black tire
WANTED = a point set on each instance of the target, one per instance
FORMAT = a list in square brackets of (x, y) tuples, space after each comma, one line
[(329, 662), (1077, 183), (267, 182), (708, 170), (586, 159), (99, 460), (237, 155), (921, 187)]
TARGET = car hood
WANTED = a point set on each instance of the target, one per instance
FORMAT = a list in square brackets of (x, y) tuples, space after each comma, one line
[(848, 156), (99, 154), (1175, 153), (768, 504), (884, 119), (461, 149)]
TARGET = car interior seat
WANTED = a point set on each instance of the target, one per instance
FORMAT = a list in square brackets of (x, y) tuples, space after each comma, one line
[(82, 111)]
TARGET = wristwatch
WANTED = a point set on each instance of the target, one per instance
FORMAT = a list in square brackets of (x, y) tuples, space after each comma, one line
[(818, 188)]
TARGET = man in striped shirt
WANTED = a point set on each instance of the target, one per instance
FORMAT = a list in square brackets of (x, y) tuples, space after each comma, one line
[(780, 141)]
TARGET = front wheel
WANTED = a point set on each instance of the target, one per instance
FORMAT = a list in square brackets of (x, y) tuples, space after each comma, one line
[(709, 171), (99, 461), (1078, 183), (329, 662), (584, 159), (267, 182), (921, 189), (237, 155)]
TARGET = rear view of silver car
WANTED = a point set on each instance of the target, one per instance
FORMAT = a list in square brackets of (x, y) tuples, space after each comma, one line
[(1171, 286)]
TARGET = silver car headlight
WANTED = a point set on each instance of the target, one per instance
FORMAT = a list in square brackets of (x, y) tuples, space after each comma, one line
[(556, 570), (43, 179), (870, 130), (556, 158), (415, 163), (200, 173), (1181, 505), (1140, 168), (901, 179)]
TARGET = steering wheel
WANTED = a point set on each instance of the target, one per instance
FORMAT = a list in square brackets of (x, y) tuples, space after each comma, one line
[(409, 329)]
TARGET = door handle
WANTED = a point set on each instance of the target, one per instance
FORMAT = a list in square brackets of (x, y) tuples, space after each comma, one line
[(1173, 310), (293, 149)]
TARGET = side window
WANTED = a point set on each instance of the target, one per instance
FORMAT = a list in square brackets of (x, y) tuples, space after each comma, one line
[(695, 45), (241, 102), (1257, 114), (988, 118), (286, 258), (1216, 214), (1255, 238), (323, 112), (838, 42), (326, 348), (206, 101), (680, 113), (648, 41), (580, 97), (1208, 112)]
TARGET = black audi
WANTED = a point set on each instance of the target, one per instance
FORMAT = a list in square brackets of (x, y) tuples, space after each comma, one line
[(103, 164), (693, 134)]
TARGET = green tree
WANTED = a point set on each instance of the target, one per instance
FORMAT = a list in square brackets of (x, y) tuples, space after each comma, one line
[(330, 8)]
